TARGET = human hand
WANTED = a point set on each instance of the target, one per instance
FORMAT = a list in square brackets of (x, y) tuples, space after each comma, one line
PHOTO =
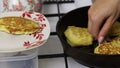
[(102, 14)]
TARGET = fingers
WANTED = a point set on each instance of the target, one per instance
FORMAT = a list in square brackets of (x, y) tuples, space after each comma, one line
[(94, 23), (100, 19), (107, 26), (104, 30)]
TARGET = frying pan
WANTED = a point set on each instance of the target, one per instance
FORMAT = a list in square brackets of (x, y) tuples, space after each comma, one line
[(83, 55)]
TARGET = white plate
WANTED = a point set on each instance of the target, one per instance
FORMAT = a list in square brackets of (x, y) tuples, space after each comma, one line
[(17, 43)]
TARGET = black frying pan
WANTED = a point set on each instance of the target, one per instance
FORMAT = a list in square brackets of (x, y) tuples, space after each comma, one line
[(83, 55)]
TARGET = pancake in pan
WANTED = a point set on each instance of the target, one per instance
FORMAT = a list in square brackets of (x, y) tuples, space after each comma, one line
[(77, 36)]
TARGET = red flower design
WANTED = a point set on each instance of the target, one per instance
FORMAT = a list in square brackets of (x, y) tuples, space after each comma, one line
[(43, 25), (27, 43), (28, 14), (40, 17), (5, 5), (39, 36), (31, 1), (36, 43)]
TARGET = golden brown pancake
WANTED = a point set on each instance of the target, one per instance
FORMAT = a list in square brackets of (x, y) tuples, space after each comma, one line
[(77, 36), (109, 48), (112, 47), (18, 25)]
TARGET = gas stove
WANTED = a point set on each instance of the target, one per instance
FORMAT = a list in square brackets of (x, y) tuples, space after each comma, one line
[(51, 54)]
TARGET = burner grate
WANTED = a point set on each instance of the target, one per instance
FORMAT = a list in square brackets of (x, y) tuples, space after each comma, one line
[(57, 1), (58, 14)]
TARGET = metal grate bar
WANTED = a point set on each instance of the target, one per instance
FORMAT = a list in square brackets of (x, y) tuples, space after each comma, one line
[(66, 61), (53, 33), (50, 56), (54, 15), (57, 1), (59, 15)]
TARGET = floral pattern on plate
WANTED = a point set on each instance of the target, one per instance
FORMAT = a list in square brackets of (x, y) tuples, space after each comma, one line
[(13, 43)]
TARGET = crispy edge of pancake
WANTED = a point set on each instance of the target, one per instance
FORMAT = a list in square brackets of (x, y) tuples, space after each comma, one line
[(77, 36)]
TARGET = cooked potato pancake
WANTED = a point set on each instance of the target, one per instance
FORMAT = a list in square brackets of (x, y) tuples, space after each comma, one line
[(109, 48), (18, 25), (77, 36), (115, 29), (112, 47)]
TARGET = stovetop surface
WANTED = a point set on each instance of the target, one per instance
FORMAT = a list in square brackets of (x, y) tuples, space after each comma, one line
[(51, 54)]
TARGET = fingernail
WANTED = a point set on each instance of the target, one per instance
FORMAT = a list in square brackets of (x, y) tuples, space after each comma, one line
[(100, 39)]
